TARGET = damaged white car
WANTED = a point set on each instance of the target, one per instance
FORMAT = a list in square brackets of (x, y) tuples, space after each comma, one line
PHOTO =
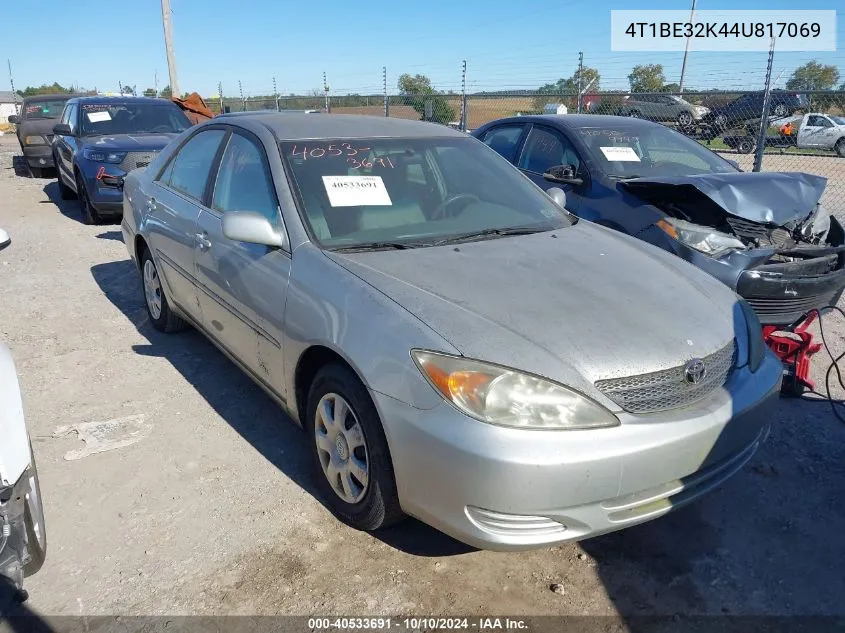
[(23, 541)]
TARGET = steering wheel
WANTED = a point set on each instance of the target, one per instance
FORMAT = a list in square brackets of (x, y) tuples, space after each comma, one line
[(440, 212)]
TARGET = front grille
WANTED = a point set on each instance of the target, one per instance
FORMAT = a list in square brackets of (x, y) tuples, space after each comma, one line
[(49, 138), (134, 160), (764, 235), (669, 388)]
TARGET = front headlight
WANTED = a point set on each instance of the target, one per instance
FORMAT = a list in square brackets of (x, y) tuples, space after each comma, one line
[(701, 238), (34, 140), (701, 110), (102, 156), (499, 395), (756, 345)]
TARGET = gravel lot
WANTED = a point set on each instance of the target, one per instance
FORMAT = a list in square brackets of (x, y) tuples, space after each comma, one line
[(213, 510)]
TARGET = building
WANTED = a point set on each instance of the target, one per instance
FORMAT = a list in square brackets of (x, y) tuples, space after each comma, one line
[(9, 104)]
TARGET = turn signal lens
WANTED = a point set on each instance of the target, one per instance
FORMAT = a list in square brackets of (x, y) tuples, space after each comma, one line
[(667, 228), (34, 140)]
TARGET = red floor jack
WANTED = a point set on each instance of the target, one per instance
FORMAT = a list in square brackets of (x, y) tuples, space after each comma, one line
[(794, 346)]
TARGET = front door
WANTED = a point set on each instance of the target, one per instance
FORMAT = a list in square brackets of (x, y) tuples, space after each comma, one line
[(243, 286)]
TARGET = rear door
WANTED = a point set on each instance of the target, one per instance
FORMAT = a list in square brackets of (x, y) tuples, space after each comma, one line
[(505, 139), (177, 197), (243, 286)]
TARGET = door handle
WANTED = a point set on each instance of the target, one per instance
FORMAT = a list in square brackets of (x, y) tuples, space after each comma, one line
[(151, 204), (202, 241)]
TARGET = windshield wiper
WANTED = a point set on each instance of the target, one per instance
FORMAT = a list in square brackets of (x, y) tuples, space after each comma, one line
[(376, 246), (523, 230), (617, 177)]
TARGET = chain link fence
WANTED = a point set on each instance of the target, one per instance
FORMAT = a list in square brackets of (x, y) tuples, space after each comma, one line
[(779, 131)]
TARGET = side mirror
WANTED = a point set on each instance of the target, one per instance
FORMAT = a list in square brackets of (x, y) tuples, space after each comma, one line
[(62, 129), (558, 196), (13, 118), (251, 227), (563, 174), (5, 240)]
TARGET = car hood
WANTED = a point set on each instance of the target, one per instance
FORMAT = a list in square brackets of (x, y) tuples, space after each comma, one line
[(577, 305), (130, 142), (766, 197), (43, 127)]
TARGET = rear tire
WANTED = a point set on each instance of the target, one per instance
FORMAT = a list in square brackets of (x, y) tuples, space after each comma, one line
[(349, 446), (158, 308), (685, 119), (745, 145), (37, 172), (780, 110)]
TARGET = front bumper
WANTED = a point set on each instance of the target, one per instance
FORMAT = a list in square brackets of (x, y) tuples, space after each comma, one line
[(14, 548), (507, 489), (38, 156), (104, 184)]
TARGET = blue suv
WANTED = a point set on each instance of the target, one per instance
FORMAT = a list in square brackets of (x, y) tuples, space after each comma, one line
[(100, 139)]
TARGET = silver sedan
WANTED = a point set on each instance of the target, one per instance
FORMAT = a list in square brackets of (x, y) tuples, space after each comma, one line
[(457, 346)]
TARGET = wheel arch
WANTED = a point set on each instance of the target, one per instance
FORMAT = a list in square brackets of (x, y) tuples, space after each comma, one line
[(310, 362)]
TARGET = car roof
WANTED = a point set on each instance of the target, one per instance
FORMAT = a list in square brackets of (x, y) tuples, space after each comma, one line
[(116, 99), (51, 97), (300, 125), (569, 121), (252, 112)]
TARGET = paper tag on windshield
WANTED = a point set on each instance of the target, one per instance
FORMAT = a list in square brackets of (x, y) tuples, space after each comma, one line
[(96, 117), (355, 191), (620, 154)]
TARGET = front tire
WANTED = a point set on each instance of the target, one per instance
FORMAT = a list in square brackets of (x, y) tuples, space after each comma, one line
[(353, 467), (36, 535), (780, 110), (840, 147), (89, 213), (685, 119), (64, 191), (158, 308), (746, 145)]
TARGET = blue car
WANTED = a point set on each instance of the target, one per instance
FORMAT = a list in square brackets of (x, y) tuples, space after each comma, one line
[(101, 139), (764, 234)]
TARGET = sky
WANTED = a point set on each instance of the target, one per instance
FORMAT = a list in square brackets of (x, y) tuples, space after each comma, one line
[(518, 44)]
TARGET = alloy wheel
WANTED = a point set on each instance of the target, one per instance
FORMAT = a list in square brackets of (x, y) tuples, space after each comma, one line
[(152, 289), (342, 448)]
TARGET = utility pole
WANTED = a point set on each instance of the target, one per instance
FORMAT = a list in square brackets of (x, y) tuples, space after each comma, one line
[(686, 51), (168, 45), (384, 84), (243, 100), (12, 83), (326, 91), (120, 87), (464, 97), (220, 94), (764, 116), (580, 79), (155, 81), (276, 95)]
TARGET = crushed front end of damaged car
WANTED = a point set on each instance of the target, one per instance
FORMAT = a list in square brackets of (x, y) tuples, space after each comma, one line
[(766, 235)]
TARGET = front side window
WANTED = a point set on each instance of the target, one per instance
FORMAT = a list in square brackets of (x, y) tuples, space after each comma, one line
[(243, 180), (190, 168), (637, 151), (412, 192), (111, 117), (816, 121), (545, 149)]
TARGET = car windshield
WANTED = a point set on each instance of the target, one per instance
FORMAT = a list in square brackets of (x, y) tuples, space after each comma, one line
[(48, 109), (132, 118), (634, 151), (408, 192)]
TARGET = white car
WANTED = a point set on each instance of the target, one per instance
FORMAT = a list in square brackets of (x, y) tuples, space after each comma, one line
[(822, 131), (23, 541)]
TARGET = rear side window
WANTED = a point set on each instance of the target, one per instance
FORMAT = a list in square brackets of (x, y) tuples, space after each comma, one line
[(504, 139), (545, 149), (188, 171)]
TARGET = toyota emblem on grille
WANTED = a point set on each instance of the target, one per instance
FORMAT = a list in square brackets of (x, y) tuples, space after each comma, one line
[(695, 371)]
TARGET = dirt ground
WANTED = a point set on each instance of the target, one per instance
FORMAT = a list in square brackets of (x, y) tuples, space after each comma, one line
[(212, 509)]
